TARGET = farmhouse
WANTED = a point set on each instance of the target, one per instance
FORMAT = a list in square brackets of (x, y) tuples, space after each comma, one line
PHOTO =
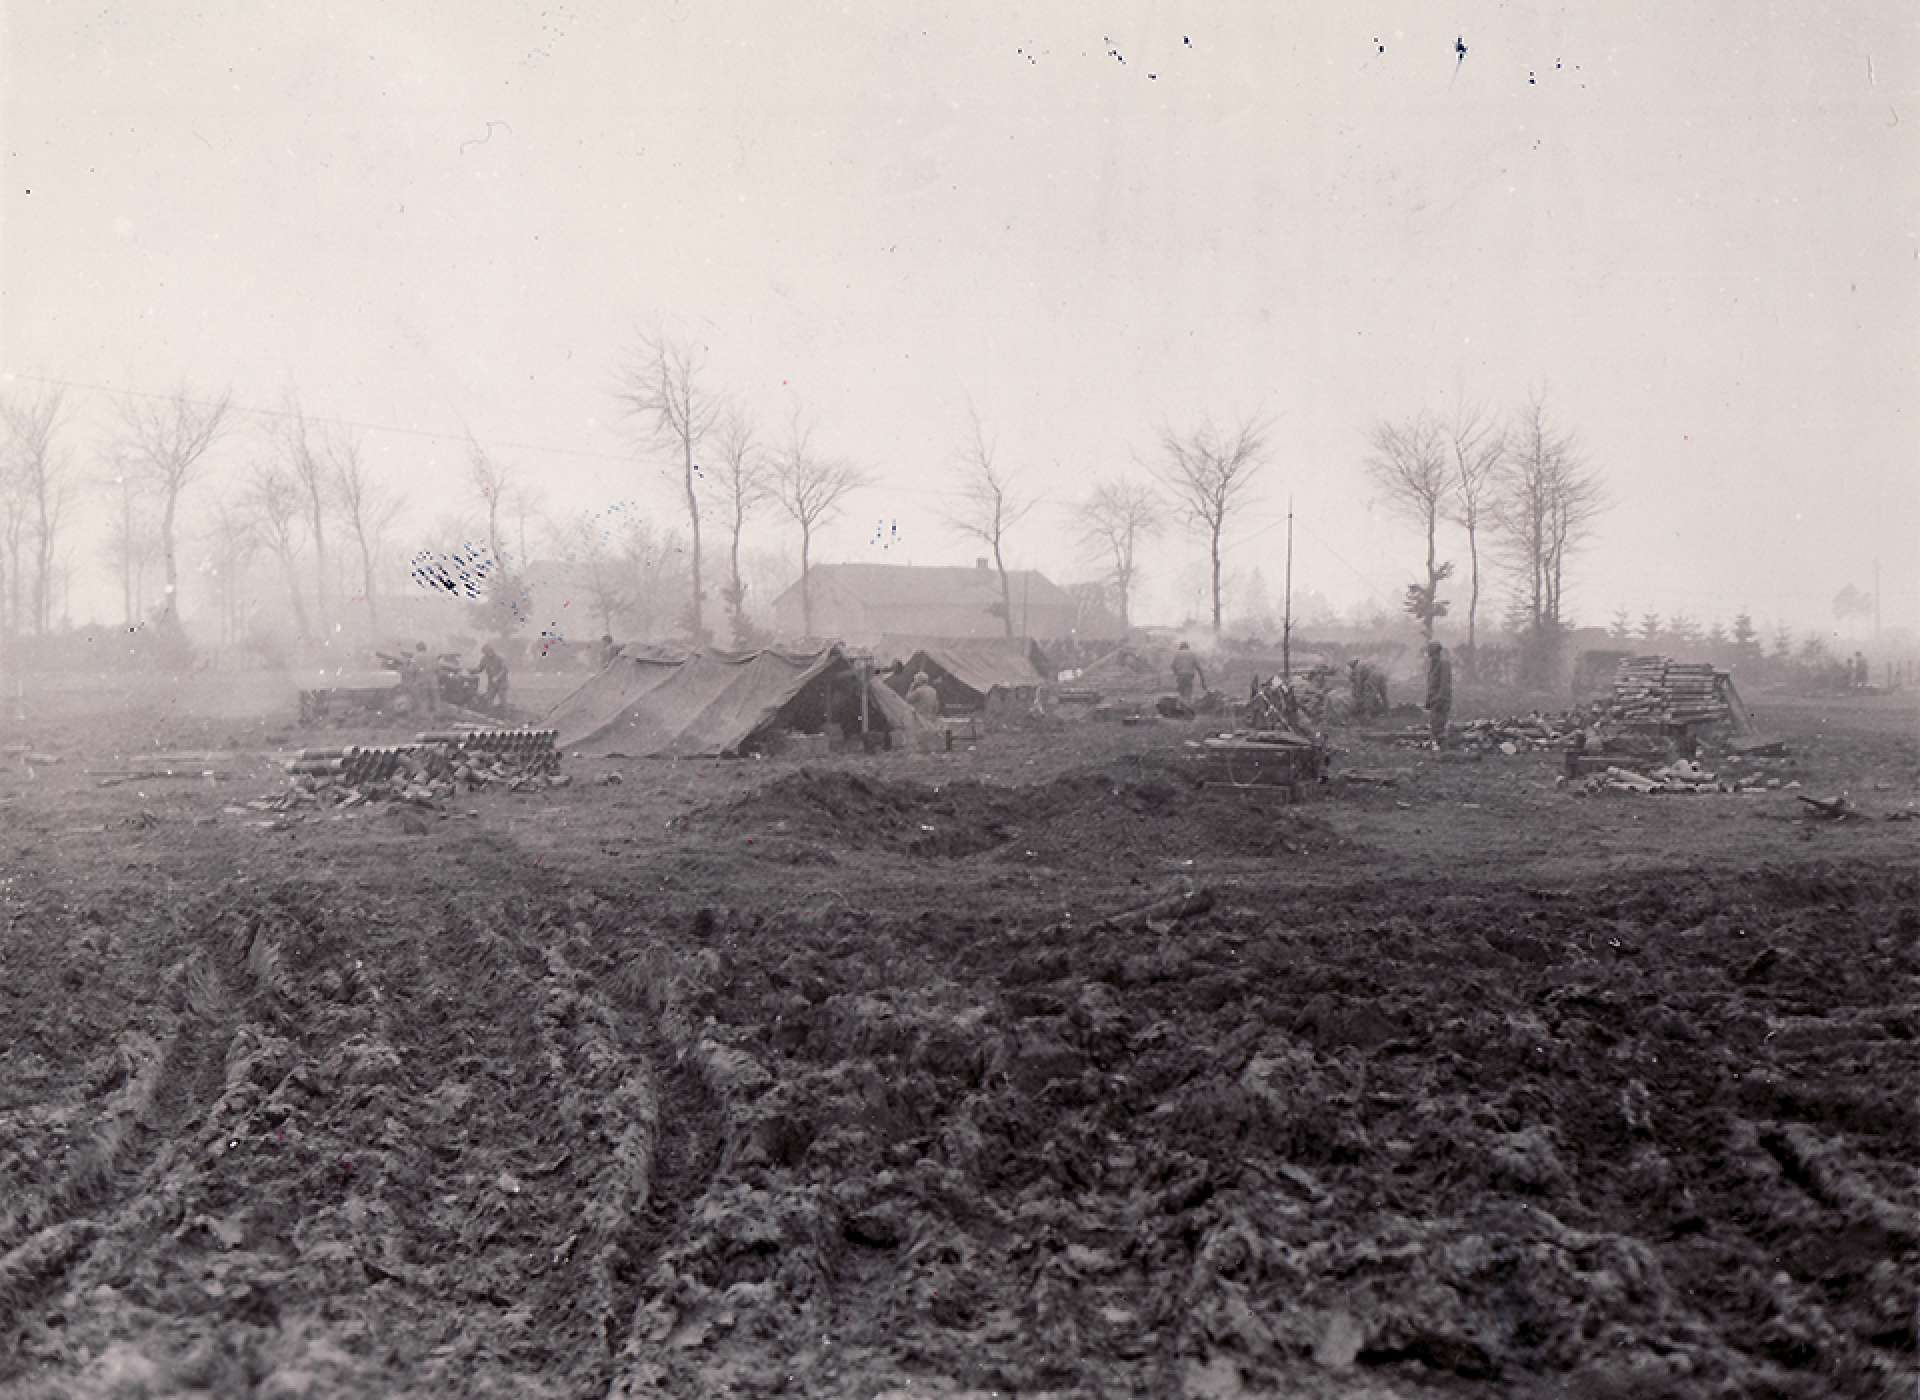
[(862, 603)]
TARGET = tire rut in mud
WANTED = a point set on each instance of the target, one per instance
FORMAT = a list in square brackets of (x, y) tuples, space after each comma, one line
[(124, 1178), (610, 1102), (642, 994)]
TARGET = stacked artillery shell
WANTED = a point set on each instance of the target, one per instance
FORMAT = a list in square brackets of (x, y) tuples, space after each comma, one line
[(373, 763), (531, 750)]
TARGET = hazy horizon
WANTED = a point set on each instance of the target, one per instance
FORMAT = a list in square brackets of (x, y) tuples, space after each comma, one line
[(1700, 243)]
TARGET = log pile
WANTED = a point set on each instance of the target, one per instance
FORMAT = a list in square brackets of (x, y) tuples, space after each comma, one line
[(1653, 698), (1682, 776), (1654, 690), (1521, 733)]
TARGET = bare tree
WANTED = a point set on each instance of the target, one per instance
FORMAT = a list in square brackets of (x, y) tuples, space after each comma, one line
[(167, 441), (1093, 601), (1577, 502), (15, 511), (1115, 519), (1209, 471), (276, 509), (810, 489), (305, 464), (129, 543), (663, 385), (742, 484), (39, 474), (64, 572), (496, 485), (1479, 445), (527, 504), (656, 567), (767, 571), (1545, 506), (233, 539), (989, 508), (367, 509), (492, 481), (586, 543), (1851, 604), (1408, 465)]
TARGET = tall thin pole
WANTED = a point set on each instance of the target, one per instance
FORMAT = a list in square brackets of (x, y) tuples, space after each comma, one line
[(1286, 622)]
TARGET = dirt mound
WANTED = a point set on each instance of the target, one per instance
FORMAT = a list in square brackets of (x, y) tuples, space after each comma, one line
[(1093, 817)]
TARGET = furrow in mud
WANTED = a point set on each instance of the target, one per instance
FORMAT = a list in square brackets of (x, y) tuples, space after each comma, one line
[(687, 1127), (611, 1104), (115, 1180)]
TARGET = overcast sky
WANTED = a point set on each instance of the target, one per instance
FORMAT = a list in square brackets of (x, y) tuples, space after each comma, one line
[(1695, 225)]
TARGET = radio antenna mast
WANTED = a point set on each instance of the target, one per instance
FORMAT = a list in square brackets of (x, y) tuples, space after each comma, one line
[(1286, 623)]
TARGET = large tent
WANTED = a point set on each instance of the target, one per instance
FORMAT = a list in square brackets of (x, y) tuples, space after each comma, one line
[(976, 674), (717, 704)]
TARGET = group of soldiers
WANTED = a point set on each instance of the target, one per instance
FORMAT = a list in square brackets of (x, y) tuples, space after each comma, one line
[(1366, 683), (420, 680)]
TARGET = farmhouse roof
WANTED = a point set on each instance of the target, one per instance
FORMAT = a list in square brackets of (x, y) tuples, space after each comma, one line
[(921, 585)]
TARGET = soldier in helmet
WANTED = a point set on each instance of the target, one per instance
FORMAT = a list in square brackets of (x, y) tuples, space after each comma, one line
[(1186, 669), (423, 679), (1439, 691), (493, 670)]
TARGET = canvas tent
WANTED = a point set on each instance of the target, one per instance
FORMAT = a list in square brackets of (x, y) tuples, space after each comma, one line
[(975, 675), (991, 651), (717, 704)]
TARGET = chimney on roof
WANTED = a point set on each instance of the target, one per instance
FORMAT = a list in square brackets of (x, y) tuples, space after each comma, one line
[(980, 563)]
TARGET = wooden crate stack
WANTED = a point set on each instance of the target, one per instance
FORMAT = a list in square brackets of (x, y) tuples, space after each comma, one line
[(1277, 762)]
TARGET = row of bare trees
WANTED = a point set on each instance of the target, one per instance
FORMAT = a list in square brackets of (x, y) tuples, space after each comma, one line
[(1521, 491), (306, 494), (666, 389), (719, 464), (36, 489), (303, 480), (1205, 476)]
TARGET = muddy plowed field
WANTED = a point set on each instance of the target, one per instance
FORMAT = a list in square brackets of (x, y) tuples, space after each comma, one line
[(840, 1080)]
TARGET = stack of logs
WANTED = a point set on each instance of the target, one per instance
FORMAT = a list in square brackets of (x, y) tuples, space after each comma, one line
[(1656, 690)]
